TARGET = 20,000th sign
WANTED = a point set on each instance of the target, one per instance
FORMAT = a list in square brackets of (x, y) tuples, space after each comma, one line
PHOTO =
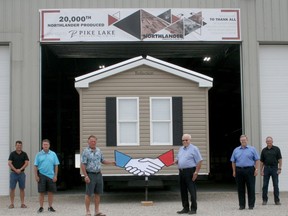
[(65, 25)]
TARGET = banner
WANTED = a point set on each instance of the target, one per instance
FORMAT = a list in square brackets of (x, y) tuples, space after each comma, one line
[(71, 25)]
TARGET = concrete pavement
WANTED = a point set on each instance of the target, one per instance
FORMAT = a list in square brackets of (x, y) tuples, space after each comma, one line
[(126, 203)]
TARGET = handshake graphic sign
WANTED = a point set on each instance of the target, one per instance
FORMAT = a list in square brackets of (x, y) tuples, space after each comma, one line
[(144, 166)]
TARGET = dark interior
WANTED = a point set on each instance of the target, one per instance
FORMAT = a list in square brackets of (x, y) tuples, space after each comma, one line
[(61, 63)]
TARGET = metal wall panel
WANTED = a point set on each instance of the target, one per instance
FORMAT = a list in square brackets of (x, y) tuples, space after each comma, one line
[(272, 20), (5, 92)]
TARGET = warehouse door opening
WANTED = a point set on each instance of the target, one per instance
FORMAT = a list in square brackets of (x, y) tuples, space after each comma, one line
[(61, 63)]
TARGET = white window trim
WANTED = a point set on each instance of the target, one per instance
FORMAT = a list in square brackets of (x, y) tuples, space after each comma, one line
[(171, 121), (137, 130)]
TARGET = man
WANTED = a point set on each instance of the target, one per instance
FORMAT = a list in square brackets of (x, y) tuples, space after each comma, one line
[(46, 170), (91, 160), (270, 165), (245, 163), (189, 162), (17, 161)]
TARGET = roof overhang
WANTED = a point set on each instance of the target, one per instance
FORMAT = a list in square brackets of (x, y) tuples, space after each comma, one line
[(85, 80)]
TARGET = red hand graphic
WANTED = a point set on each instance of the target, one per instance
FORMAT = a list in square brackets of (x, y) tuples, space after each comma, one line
[(167, 158)]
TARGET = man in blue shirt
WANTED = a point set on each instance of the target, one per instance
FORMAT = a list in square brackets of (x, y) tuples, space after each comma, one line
[(46, 171), (245, 163), (91, 160), (189, 162)]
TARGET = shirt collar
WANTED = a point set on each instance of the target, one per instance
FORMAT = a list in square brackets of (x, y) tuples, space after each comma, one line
[(186, 147), (92, 150), (43, 152), (241, 147), (270, 148)]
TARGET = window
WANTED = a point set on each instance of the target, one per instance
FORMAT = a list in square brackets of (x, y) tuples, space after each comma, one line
[(127, 121), (161, 121), (122, 121)]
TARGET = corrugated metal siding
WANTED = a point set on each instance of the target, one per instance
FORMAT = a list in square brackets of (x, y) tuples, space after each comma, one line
[(272, 20), (5, 111), (250, 85), (160, 84)]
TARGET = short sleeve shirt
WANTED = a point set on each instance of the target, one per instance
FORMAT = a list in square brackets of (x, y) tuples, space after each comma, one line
[(244, 156), (18, 160), (270, 157), (188, 156), (92, 159), (46, 163)]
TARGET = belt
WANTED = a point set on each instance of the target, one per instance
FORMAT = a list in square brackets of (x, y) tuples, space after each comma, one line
[(246, 167), (94, 173), (190, 168)]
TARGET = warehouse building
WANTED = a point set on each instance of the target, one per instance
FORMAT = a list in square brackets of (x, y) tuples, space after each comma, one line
[(45, 45)]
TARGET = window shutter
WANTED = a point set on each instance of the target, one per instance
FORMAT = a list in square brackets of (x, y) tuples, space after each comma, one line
[(177, 110), (111, 132)]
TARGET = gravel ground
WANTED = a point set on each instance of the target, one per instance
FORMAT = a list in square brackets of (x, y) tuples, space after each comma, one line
[(210, 203)]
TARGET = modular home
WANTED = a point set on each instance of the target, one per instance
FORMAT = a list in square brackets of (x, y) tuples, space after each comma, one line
[(142, 107)]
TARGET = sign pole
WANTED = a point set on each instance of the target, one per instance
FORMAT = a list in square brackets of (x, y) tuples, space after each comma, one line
[(146, 202)]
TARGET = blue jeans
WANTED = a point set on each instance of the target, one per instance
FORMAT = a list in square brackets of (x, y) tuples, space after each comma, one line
[(270, 171)]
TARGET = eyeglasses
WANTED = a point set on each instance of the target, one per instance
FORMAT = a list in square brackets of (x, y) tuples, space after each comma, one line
[(185, 140)]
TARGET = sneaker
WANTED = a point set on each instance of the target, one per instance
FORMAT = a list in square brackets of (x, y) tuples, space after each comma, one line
[(277, 203), (40, 210), (264, 203), (51, 209)]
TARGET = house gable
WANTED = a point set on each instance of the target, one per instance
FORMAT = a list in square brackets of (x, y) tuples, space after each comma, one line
[(85, 80)]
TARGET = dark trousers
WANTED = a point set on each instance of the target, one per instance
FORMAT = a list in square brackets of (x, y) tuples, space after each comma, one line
[(186, 184), (270, 171), (245, 178)]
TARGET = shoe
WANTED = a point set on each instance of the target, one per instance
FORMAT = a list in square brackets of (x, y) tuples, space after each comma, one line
[(100, 214), (192, 212), (241, 208), (264, 203), (251, 208), (277, 203), (23, 206), (11, 206), (40, 210), (183, 211), (51, 209)]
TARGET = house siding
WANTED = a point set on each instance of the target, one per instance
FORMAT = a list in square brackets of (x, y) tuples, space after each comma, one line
[(154, 83)]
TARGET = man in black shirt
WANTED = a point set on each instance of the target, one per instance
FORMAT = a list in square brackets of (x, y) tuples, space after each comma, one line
[(18, 161), (270, 165)]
